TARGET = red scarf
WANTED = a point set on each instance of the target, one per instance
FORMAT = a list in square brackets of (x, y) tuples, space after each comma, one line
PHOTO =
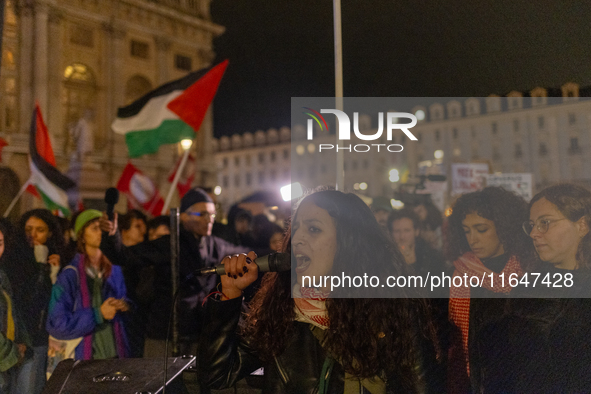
[(459, 302), (310, 306)]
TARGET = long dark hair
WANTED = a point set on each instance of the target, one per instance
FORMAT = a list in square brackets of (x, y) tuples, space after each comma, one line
[(55, 240), (105, 266), (367, 336), (506, 209), (574, 202)]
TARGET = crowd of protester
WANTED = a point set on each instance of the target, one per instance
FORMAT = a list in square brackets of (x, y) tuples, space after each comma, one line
[(94, 288)]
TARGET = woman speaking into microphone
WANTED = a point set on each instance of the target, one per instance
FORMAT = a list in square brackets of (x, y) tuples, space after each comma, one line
[(320, 340)]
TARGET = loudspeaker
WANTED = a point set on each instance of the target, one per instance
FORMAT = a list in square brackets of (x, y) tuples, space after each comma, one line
[(120, 376)]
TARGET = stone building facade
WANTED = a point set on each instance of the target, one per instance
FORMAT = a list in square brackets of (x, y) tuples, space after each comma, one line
[(546, 132), (81, 60)]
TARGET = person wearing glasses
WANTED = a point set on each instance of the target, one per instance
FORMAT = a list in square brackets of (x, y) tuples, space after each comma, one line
[(198, 248), (549, 336), (485, 241)]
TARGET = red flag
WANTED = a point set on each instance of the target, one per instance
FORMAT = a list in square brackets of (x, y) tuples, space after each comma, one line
[(140, 190), (187, 177), (193, 103), (3, 143)]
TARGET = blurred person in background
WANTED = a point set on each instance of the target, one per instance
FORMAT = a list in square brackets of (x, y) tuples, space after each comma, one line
[(381, 208), (403, 226), (486, 240), (89, 297), (15, 348), (238, 229), (133, 227), (31, 271), (158, 227), (430, 222)]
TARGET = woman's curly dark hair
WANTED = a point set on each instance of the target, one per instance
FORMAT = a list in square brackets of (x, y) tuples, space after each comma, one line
[(506, 209), (357, 325), (574, 202)]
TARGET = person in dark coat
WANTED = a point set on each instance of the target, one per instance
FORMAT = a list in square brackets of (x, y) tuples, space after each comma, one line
[(486, 241), (546, 337), (32, 268), (198, 249), (318, 341)]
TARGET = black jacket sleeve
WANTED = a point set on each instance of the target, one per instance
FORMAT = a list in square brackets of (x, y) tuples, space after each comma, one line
[(224, 357)]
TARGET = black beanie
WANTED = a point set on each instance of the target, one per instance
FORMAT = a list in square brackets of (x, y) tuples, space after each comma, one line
[(194, 196)]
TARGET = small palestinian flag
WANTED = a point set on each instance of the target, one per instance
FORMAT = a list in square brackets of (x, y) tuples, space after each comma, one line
[(140, 191), (46, 181), (170, 113)]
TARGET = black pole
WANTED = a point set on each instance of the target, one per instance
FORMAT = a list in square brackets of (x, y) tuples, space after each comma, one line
[(174, 266)]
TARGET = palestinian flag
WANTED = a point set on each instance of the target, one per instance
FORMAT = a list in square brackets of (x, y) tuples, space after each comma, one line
[(140, 191), (170, 113), (46, 181)]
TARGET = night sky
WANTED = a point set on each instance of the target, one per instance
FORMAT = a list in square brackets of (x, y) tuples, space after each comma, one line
[(427, 48)]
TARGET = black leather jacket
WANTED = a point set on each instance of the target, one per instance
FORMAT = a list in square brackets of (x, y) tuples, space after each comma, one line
[(226, 358)]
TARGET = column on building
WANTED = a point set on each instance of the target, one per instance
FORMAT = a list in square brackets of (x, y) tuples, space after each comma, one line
[(41, 57), (26, 67), (55, 76), (162, 59)]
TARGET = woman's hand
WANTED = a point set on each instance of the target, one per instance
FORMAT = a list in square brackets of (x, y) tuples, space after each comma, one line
[(120, 304), (241, 271), (108, 309), (108, 226), (54, 260)]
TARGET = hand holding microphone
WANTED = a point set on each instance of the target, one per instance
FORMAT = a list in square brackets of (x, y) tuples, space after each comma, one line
[(241, 271)]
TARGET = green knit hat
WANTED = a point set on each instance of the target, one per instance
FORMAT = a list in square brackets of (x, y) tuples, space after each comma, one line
[(85, 217)]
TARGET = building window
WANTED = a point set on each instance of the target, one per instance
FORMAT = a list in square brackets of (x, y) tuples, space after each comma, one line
[(518, 151), (494, 127), (273, 156), (237, 180), (80, 35), (286, 154), (225, 181), (261, 177), (261, 158), (437, 135), (541, 122), (574, 147), (182, 62), (248, 160), (248, 179), (225, 162), (79, 91), (572, 119), (496, 155), (543, 151), (516, 125), (140, 49), (455, 133)]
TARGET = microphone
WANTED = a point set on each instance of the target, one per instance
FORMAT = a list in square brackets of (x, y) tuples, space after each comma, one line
[(274, 262), (111, 198)]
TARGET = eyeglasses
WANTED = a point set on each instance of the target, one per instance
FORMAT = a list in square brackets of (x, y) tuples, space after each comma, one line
[(203, 214), (542, 225)]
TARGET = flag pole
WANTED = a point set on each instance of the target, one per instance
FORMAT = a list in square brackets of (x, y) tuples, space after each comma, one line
[(177, 176), (338, 75), (15, 199)]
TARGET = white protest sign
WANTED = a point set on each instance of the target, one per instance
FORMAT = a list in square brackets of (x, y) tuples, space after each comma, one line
[(467, 177), (519, 183)]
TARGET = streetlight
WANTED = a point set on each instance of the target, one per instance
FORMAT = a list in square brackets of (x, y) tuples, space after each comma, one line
[(394, 175), (291, 192), (438, 154), (363, 186), (217, 190), (186, 144)]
